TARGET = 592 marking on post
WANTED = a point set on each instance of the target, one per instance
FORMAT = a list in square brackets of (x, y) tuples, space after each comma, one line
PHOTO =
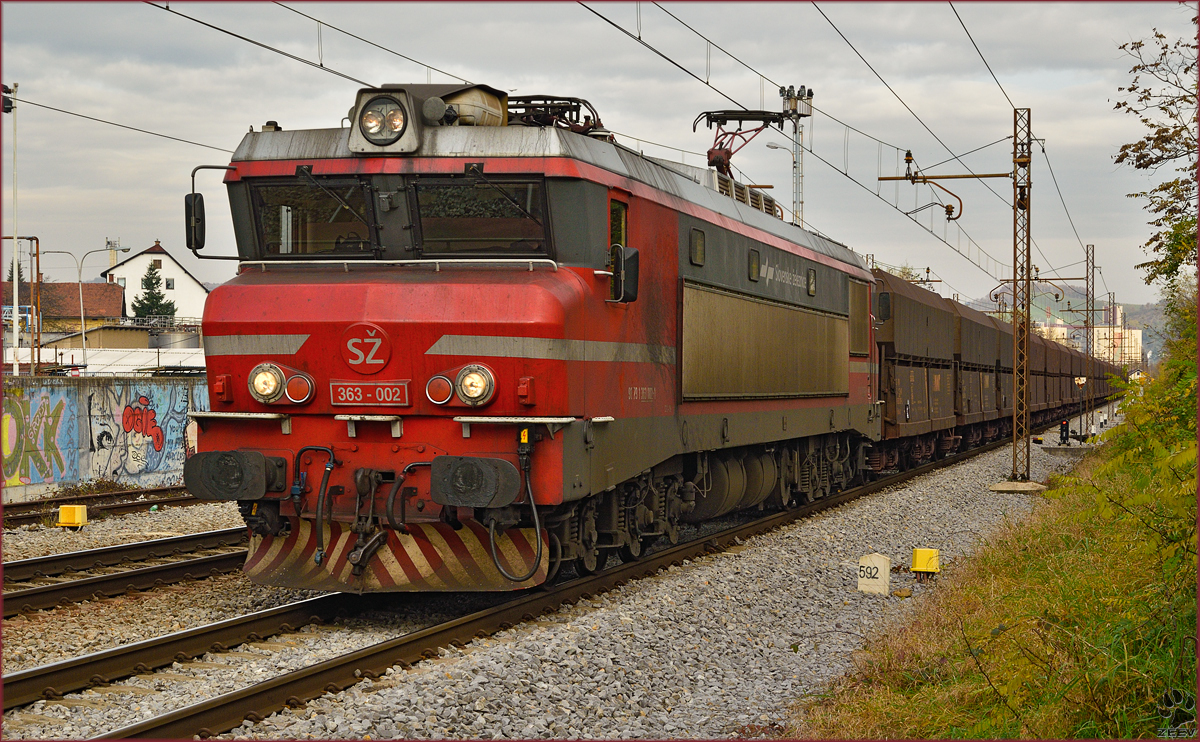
[(874, 574)]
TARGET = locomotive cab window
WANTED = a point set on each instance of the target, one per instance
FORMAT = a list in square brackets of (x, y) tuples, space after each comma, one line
[(618, 223), (319, 217), (482, 216)]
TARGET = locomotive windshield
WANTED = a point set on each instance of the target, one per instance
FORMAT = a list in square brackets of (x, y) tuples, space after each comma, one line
[(481, 217), (311, 218)]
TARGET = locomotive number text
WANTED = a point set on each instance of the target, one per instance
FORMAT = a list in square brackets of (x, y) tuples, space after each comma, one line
[(390, 393)]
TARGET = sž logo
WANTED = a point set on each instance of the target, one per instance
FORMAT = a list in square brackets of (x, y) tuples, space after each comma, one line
[(366, 348)]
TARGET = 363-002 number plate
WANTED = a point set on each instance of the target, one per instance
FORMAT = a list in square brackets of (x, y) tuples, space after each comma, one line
[(390, 393)]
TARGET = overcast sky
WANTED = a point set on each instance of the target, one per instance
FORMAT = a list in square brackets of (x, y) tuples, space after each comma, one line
[(81, 182)]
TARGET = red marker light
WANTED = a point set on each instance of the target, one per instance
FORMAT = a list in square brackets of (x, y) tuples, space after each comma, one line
[(299, 389), (439, 390)]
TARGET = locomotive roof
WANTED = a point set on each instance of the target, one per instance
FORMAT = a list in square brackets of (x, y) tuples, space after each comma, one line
[(528, 141)]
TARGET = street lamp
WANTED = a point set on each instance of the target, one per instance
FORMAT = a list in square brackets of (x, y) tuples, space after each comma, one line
[(79, 270), (795, 196)]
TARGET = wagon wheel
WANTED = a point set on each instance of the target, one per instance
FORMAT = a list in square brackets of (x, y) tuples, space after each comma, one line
[(592, 559)]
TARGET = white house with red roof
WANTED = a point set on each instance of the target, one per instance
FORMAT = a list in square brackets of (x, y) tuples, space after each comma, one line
[(178, 285)]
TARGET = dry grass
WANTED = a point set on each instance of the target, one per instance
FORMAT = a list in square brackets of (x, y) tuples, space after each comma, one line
[(1024, 639)]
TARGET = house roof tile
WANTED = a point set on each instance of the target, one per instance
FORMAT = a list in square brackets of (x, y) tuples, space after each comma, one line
[(62, 299)]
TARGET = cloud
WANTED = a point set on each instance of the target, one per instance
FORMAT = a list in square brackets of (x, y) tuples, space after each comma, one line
[(82, 182)]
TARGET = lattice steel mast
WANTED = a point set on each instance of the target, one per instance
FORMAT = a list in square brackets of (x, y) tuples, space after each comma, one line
[(1022, 150)]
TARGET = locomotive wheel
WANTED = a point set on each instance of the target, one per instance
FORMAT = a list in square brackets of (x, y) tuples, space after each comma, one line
[(592, 559), (591, 562), (633, 552)]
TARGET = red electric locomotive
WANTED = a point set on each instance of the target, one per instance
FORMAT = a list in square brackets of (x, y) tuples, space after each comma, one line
[(472, 339)]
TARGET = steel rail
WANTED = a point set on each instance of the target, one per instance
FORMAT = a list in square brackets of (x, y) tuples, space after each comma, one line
[(16, 507), (78, 673), (143, 578), (79, 561), (28, 513), (227, 711)]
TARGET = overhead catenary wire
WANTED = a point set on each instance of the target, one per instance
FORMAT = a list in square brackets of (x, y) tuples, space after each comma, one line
[(967, 31), (372, 43), (844, 170), (120, 126), (969, 152), (261, 45), (1060, 196), (764, 76), (994, 264), (665, 58), (985, 62), (897, 96)]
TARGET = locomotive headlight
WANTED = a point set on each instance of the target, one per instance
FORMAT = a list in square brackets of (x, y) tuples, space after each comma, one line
[(382, 120), (475, 385), (266, 382)]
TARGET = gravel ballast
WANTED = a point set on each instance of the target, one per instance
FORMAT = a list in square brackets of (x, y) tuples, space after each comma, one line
[(27, 542), (707, 650), (710, 649)]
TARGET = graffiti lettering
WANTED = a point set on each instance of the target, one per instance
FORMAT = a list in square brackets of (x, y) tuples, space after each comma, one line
[(141, 420), (135, 432), (35, 437)]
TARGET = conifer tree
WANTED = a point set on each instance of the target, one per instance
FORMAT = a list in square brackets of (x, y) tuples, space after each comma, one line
[(152, 302)]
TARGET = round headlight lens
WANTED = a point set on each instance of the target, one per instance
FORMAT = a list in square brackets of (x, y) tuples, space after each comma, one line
[(382, 120), (475, 385), (266, 382), (372, 122), (395, 119)]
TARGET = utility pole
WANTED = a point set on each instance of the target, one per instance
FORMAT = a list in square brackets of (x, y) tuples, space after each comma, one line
[(1089, 327), (1022, 184), (1022, 273), (1089, 369), (797, 104), (1112, 327), (35, 313), (10, 106)]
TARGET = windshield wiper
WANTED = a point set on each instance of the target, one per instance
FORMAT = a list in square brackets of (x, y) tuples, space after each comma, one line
[(474, 170), (306, 172)]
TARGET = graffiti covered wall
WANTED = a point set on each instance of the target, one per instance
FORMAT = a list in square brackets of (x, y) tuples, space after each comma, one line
[(135, 431)]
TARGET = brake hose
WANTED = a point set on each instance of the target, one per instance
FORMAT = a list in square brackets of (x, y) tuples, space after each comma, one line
[(320, 555), (401, 527), (537, 528)]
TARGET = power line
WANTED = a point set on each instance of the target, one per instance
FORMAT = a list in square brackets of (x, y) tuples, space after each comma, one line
[(737, 59), (935, 136), (372, 43), (971, 152), (665, 58), (121, 126), (1010, 103), (985, 62), (993, 261), (259, 44), (1060, 196), (897, 95)]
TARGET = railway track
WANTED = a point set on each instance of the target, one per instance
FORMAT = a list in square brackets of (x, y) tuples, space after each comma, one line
[(222, 713), (45, 582), (108, 503)]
